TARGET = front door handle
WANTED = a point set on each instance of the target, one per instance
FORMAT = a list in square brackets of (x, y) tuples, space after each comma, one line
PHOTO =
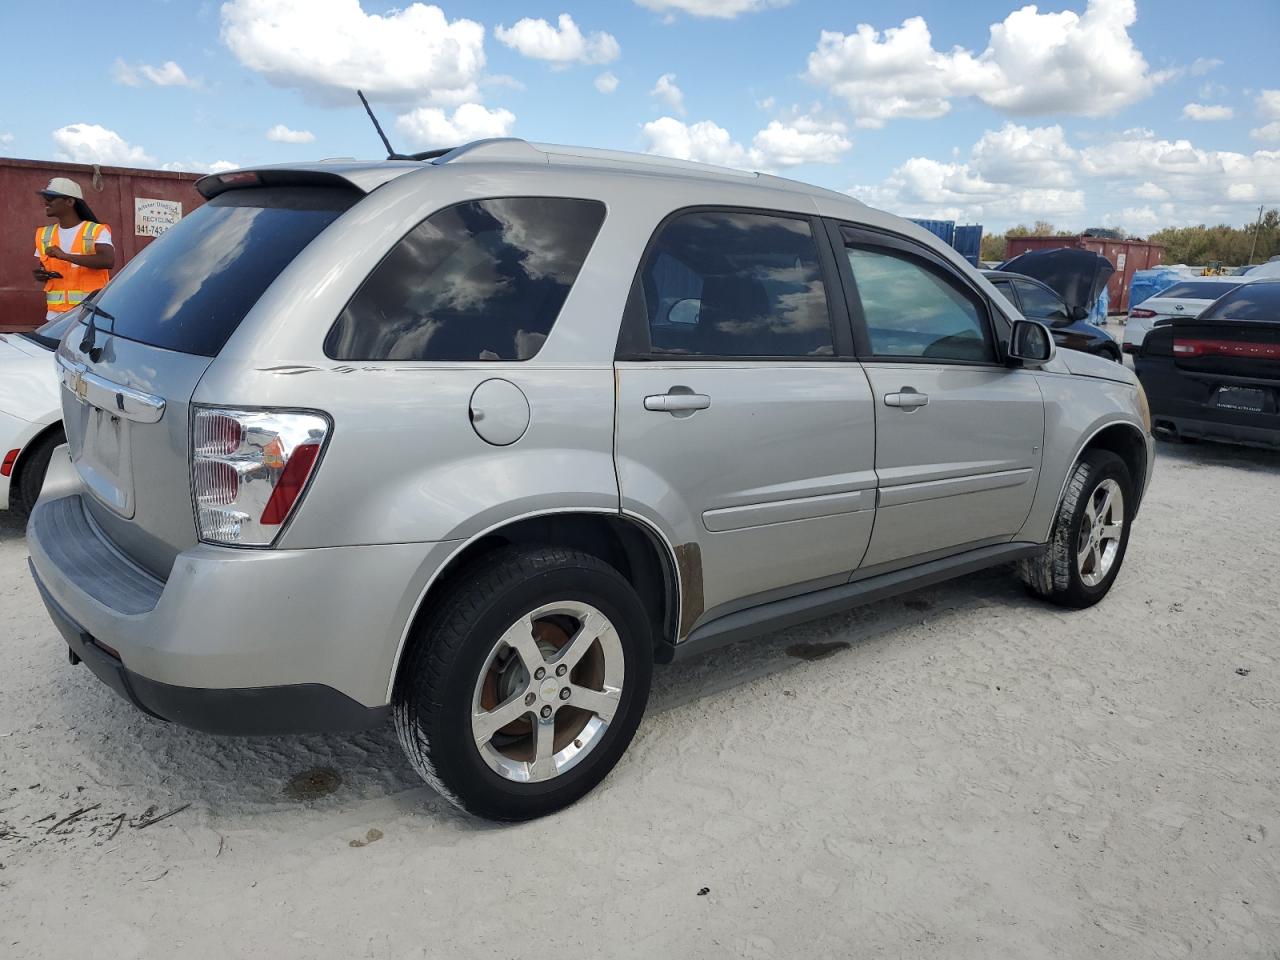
[(677, 402), (908, 397)]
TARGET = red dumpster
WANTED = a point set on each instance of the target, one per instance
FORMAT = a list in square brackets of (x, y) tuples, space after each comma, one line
[(135, 204)]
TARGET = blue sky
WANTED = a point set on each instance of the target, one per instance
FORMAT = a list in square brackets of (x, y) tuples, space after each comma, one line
[(1081, 112)]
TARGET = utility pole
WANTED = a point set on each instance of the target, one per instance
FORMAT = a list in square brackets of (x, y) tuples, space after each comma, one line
[(1256, 227)]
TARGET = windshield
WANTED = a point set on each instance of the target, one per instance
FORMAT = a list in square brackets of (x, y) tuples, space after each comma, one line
[(1196, 290), (189, 290)]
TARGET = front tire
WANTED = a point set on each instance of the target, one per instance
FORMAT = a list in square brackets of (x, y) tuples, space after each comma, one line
[(1089, 537), (523, 690)]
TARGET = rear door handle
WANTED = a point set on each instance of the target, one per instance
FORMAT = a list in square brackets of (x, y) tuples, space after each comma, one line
[(677, 402), (907, 397)]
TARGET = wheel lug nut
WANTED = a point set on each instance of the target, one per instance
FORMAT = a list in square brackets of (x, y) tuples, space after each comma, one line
[(529, 698), (546, 712), (539, 673), (564, 693), (561, 670)]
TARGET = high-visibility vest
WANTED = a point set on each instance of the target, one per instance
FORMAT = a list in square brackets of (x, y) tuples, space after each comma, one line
[(77, 282)]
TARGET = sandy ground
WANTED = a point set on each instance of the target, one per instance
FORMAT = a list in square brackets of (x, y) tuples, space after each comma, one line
[(965, 774)]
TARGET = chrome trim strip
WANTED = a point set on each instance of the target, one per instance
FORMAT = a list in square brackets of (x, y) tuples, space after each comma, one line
[(783, 511), (116, 399), (935, 489)]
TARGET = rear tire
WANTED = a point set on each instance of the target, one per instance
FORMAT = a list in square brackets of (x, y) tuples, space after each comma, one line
[(1089, 537), (24, 489), (481, 705)]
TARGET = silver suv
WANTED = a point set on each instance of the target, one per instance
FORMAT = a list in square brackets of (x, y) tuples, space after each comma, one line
[(471, 442)]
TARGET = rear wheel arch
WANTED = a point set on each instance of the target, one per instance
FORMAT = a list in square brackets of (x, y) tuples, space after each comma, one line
[(632, 547)]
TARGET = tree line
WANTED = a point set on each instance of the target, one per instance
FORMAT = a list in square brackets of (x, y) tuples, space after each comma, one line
[(1201, 244)]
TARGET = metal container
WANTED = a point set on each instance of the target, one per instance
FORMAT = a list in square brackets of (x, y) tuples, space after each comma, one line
[(968, 242), (111, 192), (944, 229), (1126, 256)]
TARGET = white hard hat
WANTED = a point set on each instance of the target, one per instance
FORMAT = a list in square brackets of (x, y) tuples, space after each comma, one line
[(63, 187)]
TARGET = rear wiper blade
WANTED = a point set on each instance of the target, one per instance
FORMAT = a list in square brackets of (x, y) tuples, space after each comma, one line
[(89, 343)]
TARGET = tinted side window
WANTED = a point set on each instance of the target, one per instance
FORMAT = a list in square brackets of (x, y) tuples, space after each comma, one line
[(483, 280), (729, 284), (912, 311), (1038, 302)]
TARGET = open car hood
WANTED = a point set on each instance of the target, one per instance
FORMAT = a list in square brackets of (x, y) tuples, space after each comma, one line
[(1077, 276)]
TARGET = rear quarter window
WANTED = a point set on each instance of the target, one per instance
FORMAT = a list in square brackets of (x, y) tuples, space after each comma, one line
[(190, 288), (482, 280)]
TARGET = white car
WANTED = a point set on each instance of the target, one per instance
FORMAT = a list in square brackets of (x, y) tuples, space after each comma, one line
[(1186, 298), (30, 411)]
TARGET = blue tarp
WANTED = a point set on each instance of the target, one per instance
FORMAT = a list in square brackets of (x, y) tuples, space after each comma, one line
[(1147, 283)]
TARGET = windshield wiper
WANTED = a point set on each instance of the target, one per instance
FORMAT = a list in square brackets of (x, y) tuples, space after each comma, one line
[(89, 343)]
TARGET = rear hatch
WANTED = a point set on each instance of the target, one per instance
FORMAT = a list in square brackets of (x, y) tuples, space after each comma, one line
[(131, 365)]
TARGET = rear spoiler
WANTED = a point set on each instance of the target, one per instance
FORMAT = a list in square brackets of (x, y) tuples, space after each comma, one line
[(217, 183)]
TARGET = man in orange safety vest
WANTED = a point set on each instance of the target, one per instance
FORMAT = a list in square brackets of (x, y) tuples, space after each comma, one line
[(76, 253)]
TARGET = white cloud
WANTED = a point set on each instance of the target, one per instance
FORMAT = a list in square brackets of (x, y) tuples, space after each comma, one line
[(1211, 91), (432, 127), (1025, 156), (197, 166), (1268, 104), (91, 143), (1033, 64), (1202, 65), (1202, 111), (561, 45), (923, 187), (168, 74), (282, 134), (1270, 133), (1151, 191), (606, 82), (328, 48), (805, 140), (1017, 175), (6, 139), (667, 91), (722, 9)]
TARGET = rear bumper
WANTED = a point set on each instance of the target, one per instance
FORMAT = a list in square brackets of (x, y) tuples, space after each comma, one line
[(299, 708), (1221, 431), (235, 641)]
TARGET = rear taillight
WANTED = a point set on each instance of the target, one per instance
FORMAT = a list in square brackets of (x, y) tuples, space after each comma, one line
[(10, 458), (248, 470), (1226, 348), (1137, 313)]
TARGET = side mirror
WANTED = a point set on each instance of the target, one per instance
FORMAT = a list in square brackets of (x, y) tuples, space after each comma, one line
[(1031, 343), (1079, 313)]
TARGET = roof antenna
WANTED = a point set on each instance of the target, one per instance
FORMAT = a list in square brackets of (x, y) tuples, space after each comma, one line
[(392, 154)]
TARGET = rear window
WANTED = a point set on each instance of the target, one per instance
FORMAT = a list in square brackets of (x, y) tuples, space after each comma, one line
[(482, 280), (1249, 301), (190, 288), (1191, 290)]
